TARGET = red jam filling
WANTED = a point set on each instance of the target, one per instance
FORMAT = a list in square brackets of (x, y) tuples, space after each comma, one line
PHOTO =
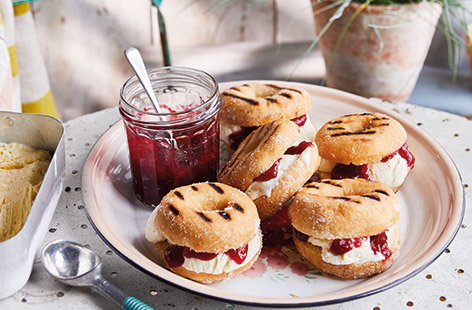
[(270, 173), (300, 121), (342, 246), (379, 243), (175, 255), (296, 150), (277, 229), (301, 236), (405, 153), (189, 253), (238, 255), (237, 137), (341, 171)]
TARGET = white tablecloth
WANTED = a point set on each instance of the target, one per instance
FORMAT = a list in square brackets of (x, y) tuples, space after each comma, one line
[(446, 284)]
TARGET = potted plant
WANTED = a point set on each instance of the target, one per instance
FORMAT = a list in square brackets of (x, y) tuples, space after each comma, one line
[(375, 48)]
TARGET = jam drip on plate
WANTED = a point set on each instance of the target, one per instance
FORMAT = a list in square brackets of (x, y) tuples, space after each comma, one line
[(175, 255), (297, 150), (237, 137), (270, 173), (300, 121), (341, 171), (404, 153), (277, 229)]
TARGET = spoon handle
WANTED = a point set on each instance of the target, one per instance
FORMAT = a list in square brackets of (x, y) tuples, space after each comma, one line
[(118, 296), (132, 303), (134, 58)]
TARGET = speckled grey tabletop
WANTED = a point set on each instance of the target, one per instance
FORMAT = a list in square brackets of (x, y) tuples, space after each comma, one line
[(446, 284)]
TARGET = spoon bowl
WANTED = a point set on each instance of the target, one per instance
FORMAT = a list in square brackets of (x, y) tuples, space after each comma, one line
[(71, 263), (74, 264)]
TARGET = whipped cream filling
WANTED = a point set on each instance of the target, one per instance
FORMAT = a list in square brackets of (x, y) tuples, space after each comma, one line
[(307, 131), (226, 130), (392, 172), (222, 263), (153, 234), (326, 165), (360, 255), (259, 189)]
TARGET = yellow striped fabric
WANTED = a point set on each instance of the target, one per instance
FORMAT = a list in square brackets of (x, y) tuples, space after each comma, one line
[(45, 105), (13, 60), (21, 8)]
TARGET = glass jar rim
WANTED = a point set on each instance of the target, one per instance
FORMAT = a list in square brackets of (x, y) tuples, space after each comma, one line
[(134, 79)]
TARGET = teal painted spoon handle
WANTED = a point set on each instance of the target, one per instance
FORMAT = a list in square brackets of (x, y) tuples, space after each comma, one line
[(118, 296)]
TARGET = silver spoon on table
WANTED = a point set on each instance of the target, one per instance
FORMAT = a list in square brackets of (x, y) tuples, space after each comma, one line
[(75, 265)]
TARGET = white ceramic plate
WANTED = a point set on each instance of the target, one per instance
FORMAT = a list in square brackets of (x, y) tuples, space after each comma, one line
[(431, 202)]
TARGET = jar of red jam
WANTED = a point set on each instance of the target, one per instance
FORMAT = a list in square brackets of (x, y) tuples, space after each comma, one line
[(178, 146)]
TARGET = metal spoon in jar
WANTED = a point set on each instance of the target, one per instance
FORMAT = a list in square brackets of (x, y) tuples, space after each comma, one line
[(75, 265), (134, 58)]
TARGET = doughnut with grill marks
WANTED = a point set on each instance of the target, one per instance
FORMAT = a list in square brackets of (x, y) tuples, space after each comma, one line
[(256, 104), (207, 217), (347, 208), (312, 254), (360, 138), (258, 152)]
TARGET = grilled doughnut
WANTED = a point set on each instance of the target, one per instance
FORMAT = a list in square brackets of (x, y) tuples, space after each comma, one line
[(346, 227), (268, 166), (256, 104), (196, 226), (369, 145), (360, 138), (246, 107)]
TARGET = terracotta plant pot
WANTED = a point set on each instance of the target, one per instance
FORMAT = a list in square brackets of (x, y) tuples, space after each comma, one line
[(382, 51)]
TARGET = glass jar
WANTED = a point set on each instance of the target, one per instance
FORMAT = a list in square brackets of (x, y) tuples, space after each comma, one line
[(178, 146)]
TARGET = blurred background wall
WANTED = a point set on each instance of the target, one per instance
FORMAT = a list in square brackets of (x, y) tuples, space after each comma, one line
[(83, 41)]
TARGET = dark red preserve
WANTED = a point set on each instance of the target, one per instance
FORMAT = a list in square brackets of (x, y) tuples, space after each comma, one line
[(341, 171), (179, 146)]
